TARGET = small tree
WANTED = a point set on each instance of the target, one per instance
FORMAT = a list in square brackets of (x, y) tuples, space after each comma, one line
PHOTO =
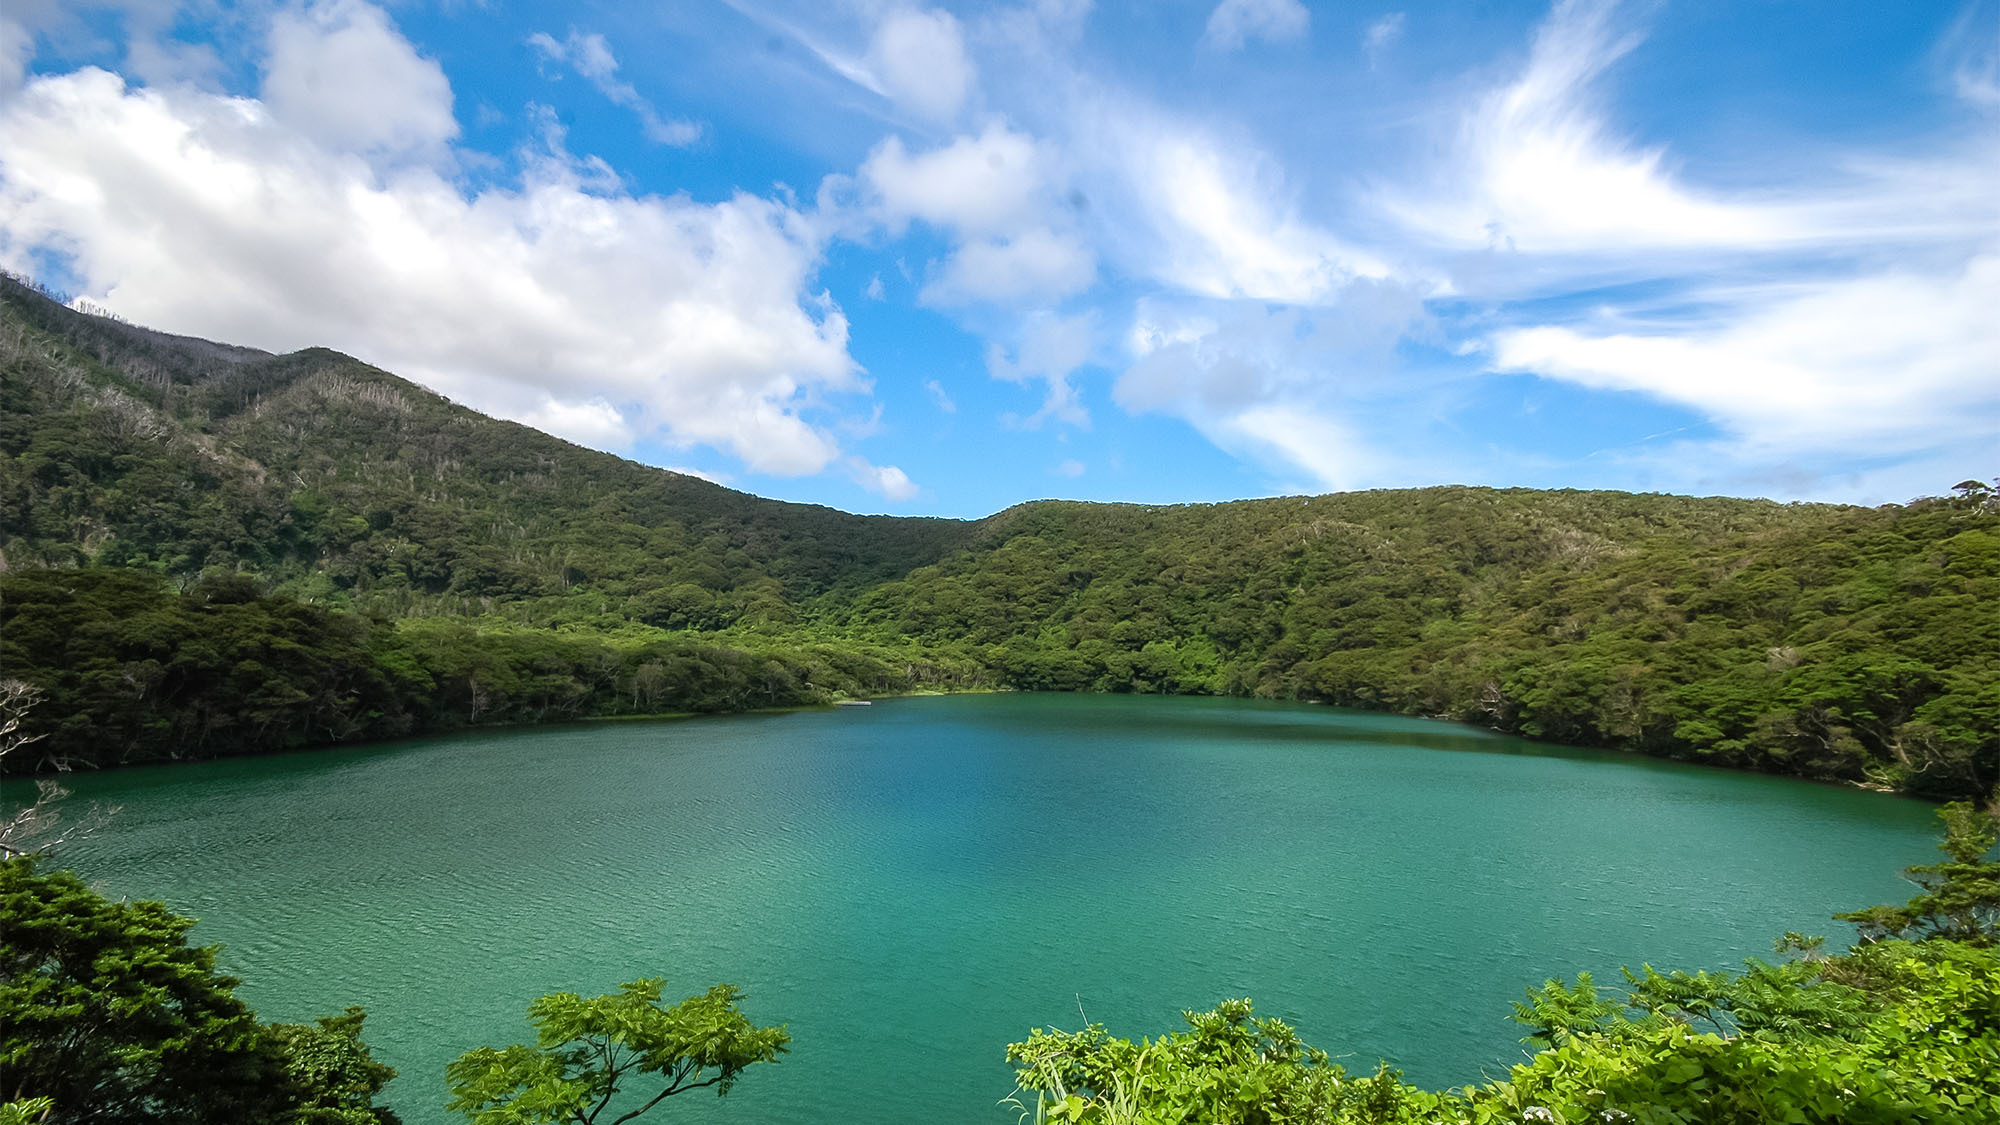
[(337, 1078), (1961, 896), (109, 1014), (1228, 1068), (586, 1051)]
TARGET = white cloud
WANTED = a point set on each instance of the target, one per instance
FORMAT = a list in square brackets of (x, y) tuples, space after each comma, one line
[(919, 61), (702, 474), (1970, 50), (1235, 22), (1050, 348), (1224, 238), (1890, 359), (884, 480), (338, 73), (1866, 332), (1278, 385), (1325, 447), (1539, 169), (1247, 385), (17, 47), (1381, 35), (148, 31), (594, 423), (940, 396), (977, 185), (1070, 467), (157, 60), (995, 193), (1035, 266), (548, 301), (1199, 367), (590, 56)]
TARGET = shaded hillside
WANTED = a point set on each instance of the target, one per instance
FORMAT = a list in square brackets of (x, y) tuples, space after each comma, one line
[(510, 576), (345, 485)]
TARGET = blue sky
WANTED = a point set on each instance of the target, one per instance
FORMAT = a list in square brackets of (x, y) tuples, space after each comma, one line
[(940, 260)]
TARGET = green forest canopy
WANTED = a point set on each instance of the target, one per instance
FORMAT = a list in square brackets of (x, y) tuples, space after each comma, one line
[(212, 550)]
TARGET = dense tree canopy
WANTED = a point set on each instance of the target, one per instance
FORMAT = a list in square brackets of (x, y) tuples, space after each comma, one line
[(264, 551), (106, 1011)]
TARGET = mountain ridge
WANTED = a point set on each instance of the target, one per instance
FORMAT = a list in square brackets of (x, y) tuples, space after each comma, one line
[(511, 576)]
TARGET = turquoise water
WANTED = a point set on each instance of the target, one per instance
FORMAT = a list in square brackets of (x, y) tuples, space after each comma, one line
[(913, 885)]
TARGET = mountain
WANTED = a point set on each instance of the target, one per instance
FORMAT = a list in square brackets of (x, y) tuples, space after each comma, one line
[(343, 483), (257, 513)]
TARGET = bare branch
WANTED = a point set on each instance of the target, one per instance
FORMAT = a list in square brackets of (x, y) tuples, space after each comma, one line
[(34, 829)]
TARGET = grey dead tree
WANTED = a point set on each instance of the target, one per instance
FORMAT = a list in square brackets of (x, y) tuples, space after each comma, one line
[(38, 828)]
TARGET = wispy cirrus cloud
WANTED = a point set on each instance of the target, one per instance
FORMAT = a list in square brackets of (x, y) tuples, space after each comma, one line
[(1892, 359), (1048, 348), (1234, 23), (590, 56), (1862, 316), (1539, 169)]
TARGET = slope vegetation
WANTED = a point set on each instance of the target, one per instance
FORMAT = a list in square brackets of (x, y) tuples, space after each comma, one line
[(214, 550)]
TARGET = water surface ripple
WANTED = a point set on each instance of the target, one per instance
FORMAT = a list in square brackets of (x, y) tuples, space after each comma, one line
[(915, 884)]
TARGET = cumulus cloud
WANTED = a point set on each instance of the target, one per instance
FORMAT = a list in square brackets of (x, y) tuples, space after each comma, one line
[(982, 184), (17, 46), (886, 481), (594, 423), (339, 74), (1036, 265), (918, 60), (590, 56), (1280, 301), (1235, 22), (160, 38), (560, 301), (157, 60), (994, 192)]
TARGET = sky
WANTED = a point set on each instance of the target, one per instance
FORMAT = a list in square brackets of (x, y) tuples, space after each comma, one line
[(940, 260)]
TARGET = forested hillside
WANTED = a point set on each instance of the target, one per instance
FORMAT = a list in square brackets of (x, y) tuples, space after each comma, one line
[(1829, 642), (214, 550), (344, 485)]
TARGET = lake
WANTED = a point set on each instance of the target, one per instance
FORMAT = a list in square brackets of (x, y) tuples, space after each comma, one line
[(913, 885)]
